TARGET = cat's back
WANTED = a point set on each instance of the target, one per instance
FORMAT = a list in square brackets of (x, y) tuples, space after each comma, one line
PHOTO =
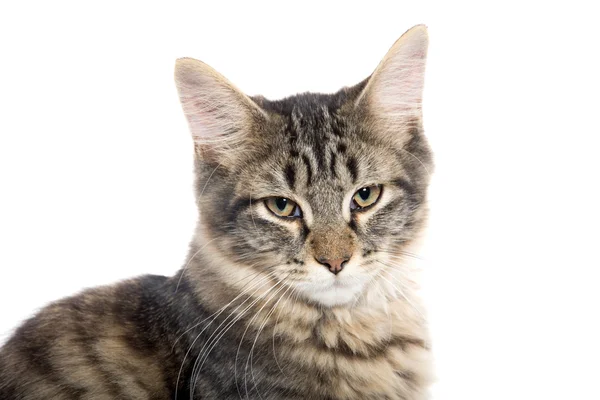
[(104, 343)]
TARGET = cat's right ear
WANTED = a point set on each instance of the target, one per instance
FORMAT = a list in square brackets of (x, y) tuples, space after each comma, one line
[(393, 94), (220, 116)]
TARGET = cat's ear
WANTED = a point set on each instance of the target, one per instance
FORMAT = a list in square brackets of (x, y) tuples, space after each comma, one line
[(393, 95), (221, 118)]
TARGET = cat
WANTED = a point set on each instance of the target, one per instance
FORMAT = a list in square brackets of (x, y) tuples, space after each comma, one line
[(300, 279)]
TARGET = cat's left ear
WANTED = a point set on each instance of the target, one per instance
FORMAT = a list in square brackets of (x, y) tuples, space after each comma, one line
[(393, 95)]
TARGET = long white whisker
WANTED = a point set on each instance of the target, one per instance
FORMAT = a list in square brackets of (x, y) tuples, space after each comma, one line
[(208, 180), (219, 311), (364, 291), (203, 355), (387, 310), (405, 271), (417, 158), (252, 214), (260, 283), (400, 263), (357, 296), (400, 252), (402, 294), (293, 292), (214, 337), (261, 327)]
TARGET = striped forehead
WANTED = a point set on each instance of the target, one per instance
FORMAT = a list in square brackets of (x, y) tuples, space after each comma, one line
[(317, 141)]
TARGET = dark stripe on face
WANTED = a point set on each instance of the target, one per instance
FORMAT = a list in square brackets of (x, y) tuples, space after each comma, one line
[(414, 195), (237, 206), (293, 138), (404, 185), (305, 231), (337, 128), (352, 224), (352, 168), (341, 148), (319, 151), (290, 175), (309, 172), (332, 164)]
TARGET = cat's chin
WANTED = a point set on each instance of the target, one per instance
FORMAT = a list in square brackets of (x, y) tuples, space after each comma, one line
[(335, 293)]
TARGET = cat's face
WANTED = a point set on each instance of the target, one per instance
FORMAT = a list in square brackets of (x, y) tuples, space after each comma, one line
[(320, 192)]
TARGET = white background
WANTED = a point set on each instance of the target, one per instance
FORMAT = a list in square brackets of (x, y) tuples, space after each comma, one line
[(96, 161)]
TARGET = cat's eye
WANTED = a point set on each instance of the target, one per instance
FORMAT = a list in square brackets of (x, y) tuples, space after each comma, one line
[(365, 197), (283, 207)]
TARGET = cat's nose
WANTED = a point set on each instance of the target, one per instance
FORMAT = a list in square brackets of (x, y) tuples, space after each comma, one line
[(335, 265)]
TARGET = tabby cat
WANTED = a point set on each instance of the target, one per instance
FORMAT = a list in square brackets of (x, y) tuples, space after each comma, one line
[(299, 283)]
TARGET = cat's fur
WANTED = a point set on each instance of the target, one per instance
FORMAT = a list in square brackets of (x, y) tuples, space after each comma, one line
[(253, 314)]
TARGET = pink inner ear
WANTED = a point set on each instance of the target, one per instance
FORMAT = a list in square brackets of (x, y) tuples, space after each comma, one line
[(415, 52), (398, 82), (399, 90), (209, 119)]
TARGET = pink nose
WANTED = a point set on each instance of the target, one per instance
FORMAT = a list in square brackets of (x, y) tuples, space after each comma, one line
[(334, 266)]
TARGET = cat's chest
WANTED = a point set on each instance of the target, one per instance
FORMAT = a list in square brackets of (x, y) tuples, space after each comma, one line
[(355, 359), (302, 354)]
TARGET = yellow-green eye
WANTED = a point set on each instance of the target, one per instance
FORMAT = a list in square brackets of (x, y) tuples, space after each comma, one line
[(283, 207), (365, 197)]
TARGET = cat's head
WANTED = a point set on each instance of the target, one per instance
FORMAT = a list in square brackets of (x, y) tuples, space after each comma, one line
[(320, 191)]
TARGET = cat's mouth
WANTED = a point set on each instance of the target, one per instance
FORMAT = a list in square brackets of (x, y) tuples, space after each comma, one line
[(343, 282), (338, 291)]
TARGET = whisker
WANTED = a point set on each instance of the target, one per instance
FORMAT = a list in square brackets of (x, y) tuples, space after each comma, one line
[(407, 275), (252, 214), (217, 335), (387, 310), (361, 293), (241, 340), (417, 158), (261, 327), (400, 265), (260, 282), (219, 311), (208, 180), (203, 355), (402, 270), (399, 253), (401, 292), (275, 327)]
